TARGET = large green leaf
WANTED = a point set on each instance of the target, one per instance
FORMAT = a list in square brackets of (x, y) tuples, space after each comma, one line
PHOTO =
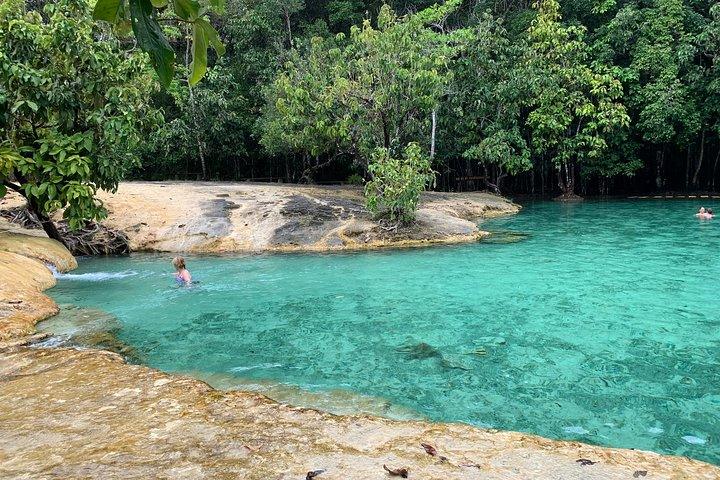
[(212, 36), (187, 9), (200, 46), (203, 35), (150, 37), (106, 10)]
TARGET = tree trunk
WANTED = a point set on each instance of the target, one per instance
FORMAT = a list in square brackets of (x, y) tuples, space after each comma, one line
[(532, 181), (566, 183), (48, 225), (386, 132), (432, 135), (193, 109), (717, 157), (700, 161), (286, 13), (687, 168), (659, 157)]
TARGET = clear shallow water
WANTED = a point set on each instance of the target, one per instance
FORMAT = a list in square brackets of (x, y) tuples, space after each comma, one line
[(600, 323)]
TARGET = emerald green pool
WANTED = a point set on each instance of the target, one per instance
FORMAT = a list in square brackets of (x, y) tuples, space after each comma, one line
[(597, 321)]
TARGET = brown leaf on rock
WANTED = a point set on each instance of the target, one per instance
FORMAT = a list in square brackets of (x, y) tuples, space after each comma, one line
[(397, 472), (429, 449), (584, 461), (313, 474), (639, 473), (432, 451)]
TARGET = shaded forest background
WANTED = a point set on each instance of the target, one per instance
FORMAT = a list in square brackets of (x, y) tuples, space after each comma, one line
[(664, 53)]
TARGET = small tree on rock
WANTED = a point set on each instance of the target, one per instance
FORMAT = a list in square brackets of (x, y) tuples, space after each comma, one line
[(72, 110), (396, 185)]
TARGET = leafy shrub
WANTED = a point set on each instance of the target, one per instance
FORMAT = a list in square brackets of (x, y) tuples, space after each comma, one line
[(396, 185), (355, 179)]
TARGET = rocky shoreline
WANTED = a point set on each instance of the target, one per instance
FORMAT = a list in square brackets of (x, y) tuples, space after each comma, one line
[(86, 413), (244, 217)]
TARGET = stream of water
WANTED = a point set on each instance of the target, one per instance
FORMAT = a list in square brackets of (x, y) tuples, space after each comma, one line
[(596, 321)]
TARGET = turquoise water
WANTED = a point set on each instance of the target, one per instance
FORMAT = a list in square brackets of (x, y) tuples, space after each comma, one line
[(598, 322)]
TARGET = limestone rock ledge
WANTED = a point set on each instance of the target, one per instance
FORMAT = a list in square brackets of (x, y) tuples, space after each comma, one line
[(86, 414), (245, 217), (23, 277)]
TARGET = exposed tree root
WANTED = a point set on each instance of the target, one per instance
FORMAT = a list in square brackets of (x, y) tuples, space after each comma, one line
[(93, 239)]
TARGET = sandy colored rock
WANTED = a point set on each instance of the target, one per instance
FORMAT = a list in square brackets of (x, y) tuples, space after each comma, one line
[(23, 277), (31, 244), (22, 303), (86, 414), (243, 217)]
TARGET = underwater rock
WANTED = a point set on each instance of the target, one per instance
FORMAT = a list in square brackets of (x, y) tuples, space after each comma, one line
[(339, 402), (505, 237), (419, 351), (86, 327), (424, 351), (453, 362), (87, 414)]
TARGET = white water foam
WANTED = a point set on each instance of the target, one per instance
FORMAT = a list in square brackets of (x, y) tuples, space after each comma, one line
[(575, 430), (91, 277), (693, 440), (253, 367)]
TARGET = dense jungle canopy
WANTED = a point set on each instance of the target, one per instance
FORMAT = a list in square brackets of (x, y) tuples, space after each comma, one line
[(599, 96), (580, 96)]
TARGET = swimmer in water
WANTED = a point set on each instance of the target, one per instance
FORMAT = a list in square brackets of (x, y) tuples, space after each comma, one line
[(182, 276), (709, 213), (701, 213)]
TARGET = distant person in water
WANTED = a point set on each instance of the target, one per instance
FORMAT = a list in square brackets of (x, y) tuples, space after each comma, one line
[(182, 276), (705, 214)]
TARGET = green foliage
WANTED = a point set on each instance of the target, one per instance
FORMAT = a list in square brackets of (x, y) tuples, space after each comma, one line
[(521, 94), (372, 92), (491, 86), (72, 109), (575, 104), (378, 88), (143, 16), (150, 37), (356, 180), (397, 182)]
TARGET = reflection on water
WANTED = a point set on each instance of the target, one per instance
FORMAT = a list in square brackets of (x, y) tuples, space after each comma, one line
[(600, 324)]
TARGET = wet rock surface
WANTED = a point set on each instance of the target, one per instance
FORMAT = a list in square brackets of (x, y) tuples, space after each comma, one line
[(23, 277), (86, 327)]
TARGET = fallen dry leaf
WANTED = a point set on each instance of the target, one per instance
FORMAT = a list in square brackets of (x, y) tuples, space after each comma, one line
[(584, 461), (397, 472), (429, 449), (313, 474), (639, 473), (432, 451)]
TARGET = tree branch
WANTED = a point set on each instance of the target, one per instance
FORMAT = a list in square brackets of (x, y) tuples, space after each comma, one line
[(12, 186)]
